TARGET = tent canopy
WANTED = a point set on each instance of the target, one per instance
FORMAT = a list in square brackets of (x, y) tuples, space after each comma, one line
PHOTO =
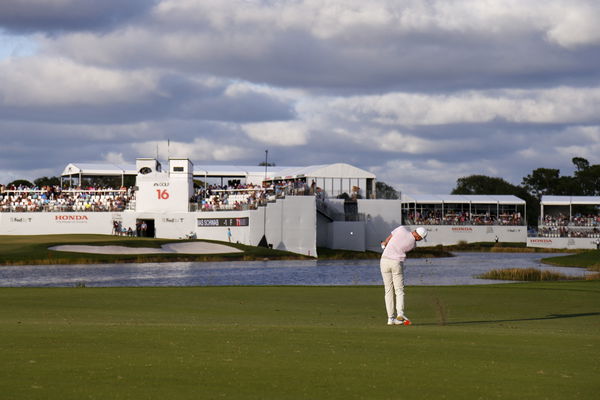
[(461, 199), (338, 170), (240, 171), (570, 200), (99, 169)]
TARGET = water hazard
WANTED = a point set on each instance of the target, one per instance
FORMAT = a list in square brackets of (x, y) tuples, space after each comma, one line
[(459, 270)]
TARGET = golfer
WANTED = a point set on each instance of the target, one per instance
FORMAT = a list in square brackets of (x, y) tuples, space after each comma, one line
[(400, 242)]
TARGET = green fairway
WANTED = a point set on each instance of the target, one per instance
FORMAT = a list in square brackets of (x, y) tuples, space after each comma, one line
[(588, 259), (517, 341)]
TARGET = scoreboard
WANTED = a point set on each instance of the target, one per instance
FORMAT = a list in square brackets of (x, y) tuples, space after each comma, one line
[(216, 222)]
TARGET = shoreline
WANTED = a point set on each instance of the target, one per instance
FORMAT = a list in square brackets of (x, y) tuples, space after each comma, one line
[(44, 250)]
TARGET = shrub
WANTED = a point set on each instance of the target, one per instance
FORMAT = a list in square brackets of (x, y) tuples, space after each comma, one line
[(524, 274)]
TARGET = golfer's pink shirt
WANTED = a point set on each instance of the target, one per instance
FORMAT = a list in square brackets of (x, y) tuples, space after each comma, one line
[(402, 242)]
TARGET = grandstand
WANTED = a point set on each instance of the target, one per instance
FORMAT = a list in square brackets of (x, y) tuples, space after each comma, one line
[(180, 201), (76, 174), (332, 179), (55, 199), (568, 222), (294, 208), (463, 210), (468, 218)]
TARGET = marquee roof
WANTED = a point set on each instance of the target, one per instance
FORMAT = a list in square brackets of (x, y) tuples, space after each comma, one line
[(570, 200), (461, 199), (99, 169), (339, 170), (233, 170)]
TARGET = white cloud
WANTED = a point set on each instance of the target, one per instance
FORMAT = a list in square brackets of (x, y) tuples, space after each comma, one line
[(419, 177), (431, 90), (279, 133), (199, 149), (557, 105), (567, 23), (116, 158), (574, 25), (57, 81)]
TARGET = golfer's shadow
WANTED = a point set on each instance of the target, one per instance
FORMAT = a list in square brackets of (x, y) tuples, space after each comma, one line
[(494, 321)]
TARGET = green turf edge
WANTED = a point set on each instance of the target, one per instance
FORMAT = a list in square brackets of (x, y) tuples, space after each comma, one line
[(34, 249)]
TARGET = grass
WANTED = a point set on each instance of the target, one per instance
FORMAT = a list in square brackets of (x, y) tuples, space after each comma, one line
[(588, 259), (515, 341), (524, 274), (26, 250)]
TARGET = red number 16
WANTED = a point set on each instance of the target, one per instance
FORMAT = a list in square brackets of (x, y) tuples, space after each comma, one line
[(162, 194)]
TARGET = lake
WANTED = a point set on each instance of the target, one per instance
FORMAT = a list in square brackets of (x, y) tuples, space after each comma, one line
[(459, 270)]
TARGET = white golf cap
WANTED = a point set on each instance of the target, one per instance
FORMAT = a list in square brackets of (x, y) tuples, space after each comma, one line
[(421, 232)]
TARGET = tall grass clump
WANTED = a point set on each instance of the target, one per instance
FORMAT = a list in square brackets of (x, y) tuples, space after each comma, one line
[(524, 274)]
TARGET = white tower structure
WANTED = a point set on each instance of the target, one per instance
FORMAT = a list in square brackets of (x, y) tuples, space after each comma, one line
[(163, 191)]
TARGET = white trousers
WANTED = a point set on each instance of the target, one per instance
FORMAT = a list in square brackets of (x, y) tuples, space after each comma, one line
[(392, 272)]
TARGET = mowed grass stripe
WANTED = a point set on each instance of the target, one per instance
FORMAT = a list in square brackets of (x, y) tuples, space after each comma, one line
[(535, 340)]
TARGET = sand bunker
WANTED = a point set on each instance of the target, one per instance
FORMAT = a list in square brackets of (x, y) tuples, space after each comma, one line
[(179, 248)]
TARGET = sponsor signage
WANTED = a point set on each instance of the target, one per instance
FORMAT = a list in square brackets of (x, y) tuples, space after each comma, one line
[(78, 219), (21, 219), (216, 222), (462, 229), (173, 220), (547, 241)]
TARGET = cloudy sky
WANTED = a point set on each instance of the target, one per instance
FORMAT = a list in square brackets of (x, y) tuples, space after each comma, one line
[(420, 92)]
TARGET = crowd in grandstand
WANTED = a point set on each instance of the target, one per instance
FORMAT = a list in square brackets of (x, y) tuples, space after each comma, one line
[(210, 198), (572, 232), (576, 226), (435, 217), (54, 198), (246, 196), (249, 196), (214, 198), (577, 220)]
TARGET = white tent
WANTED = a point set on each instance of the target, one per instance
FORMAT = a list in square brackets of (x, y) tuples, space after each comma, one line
[(568, 201), (468, 202), (254, 174), (80, 170), (334, 179)]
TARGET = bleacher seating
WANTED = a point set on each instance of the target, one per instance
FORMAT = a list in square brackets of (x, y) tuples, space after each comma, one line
[(60, 200)]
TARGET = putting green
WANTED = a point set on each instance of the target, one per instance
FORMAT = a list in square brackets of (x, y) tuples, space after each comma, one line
[(534, 340)]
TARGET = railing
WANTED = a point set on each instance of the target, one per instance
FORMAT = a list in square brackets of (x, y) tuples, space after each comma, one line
[(464, 221), (574, 221), (570, 232)]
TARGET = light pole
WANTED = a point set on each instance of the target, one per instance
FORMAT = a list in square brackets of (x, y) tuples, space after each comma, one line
[(263, 241)]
